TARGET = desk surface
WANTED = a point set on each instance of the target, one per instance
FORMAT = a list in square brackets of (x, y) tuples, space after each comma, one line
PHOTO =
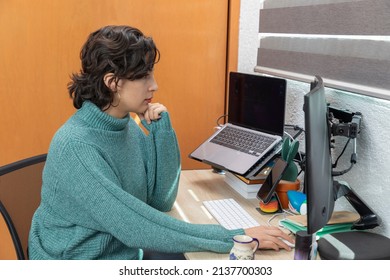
[(197, 186)]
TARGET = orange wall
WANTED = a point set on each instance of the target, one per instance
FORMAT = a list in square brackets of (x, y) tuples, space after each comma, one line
[(40, 44)]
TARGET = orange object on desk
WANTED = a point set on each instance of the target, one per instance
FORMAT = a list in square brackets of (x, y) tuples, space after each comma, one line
[(283, 187)]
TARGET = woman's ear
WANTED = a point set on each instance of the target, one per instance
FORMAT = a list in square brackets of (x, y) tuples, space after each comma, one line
[(110, 81)]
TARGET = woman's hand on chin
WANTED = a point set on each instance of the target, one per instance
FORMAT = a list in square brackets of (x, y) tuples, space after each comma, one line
[(153, 113)]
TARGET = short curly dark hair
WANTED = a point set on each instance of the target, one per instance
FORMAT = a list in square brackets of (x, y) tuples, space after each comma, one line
[(121, 50)]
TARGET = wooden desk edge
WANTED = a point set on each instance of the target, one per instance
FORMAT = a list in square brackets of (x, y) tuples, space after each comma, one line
[(197, 186)]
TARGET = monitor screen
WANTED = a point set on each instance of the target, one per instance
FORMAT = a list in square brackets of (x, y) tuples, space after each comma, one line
[(318, 167), (257, 102)]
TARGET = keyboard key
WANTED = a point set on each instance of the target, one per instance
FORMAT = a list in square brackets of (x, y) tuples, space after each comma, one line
[(230, 214), (242, 140)]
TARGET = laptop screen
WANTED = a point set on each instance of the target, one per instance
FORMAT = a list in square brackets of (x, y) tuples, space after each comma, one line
[(257, 102)]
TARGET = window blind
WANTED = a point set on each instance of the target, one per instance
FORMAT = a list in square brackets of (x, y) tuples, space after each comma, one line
[(346, 42)]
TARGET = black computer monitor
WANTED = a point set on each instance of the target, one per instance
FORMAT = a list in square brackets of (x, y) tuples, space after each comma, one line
[(321, 188), (318, 166)]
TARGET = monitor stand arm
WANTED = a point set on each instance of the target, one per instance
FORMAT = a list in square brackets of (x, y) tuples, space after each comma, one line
[(368, 218)]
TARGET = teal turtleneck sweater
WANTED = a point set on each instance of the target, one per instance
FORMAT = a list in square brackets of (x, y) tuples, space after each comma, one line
[(106, 186)]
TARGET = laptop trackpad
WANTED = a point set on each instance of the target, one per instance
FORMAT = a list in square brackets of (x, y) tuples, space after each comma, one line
[(230, 159)]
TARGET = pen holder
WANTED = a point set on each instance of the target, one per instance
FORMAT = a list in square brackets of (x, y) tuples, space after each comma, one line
[(282, 189)]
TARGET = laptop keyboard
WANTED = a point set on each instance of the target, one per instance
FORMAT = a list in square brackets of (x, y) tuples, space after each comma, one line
[(243, 140), (230, 214)]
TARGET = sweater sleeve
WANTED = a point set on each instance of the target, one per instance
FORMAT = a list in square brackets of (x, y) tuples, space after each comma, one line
[(99, 203), (163, 163)]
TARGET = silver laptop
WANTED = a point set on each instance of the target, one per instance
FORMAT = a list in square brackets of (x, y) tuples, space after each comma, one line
[(256, 113)]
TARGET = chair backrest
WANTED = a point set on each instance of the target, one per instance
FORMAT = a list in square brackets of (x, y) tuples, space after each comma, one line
[(20, 195), (8, 251)]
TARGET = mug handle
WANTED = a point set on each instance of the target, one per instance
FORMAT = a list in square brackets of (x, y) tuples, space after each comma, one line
[(257, 246)]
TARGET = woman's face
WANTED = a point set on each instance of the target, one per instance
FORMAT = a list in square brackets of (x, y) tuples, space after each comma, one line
[(133, 96)]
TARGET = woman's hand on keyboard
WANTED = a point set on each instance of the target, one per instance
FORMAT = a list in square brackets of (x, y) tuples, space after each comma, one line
[(270, 237)]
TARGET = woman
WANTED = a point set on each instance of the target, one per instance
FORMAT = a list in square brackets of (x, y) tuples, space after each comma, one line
[(106, 184)]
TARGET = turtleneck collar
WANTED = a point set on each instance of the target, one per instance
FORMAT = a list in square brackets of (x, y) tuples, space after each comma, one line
[(96, 118)]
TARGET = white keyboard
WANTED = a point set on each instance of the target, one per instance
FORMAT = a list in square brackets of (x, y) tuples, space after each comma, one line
[(230, 214)]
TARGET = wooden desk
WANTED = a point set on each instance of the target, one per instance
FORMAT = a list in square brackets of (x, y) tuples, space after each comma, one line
[(197, 186)]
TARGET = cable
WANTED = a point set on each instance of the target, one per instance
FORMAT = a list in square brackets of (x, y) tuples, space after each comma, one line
[(353, 161), (339, 173), (221, 118), (296, 127), (289, 135), (342, 152), (288, 212)]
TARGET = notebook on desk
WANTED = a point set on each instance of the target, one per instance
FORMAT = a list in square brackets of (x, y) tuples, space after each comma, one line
[(341, 221), (256, 112)]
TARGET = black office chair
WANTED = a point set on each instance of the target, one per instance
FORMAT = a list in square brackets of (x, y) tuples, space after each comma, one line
[(20, 195), (8, 237)]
